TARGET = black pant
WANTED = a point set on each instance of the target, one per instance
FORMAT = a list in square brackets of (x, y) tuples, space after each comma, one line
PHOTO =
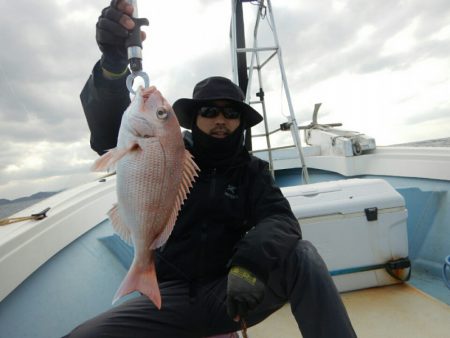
[(302, 279)]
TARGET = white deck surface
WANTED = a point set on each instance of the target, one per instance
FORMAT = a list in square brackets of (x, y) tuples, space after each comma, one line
[(391, 311)]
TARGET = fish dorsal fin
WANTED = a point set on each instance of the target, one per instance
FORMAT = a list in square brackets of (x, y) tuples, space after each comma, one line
[(190, 170), (118, 225)]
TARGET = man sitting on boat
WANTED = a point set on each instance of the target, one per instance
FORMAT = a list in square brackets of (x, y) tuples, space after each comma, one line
[(236, 253)]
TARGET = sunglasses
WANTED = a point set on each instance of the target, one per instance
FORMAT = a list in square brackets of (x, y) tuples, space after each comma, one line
[(227, 112)]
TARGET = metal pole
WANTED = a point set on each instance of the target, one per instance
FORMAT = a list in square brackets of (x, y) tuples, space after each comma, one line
[(241, 59), (233, 42), (255, 54), (292, 121), (238, 51)]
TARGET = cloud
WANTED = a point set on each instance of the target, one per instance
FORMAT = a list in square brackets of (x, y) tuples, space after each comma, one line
[(368, 61), (330, 42), (49, 57), (47, 51), (44, 158), (440, 113)]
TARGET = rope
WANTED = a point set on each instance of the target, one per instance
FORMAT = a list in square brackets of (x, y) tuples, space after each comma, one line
[(391, 268), (35, 217), (244, 328), (444, 271)]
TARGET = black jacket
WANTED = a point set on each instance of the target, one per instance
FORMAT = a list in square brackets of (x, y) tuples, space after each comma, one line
[(232, 216)]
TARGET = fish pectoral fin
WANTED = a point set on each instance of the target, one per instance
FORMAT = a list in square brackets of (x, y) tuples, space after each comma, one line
[(112, 156), (190, 170), (102, 163), (118, 225), (143, 281)]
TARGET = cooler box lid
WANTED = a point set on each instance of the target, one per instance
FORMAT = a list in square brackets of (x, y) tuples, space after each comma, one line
[(342, 197)]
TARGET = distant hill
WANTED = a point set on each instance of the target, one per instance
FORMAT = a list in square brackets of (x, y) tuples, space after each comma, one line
[(39, 195), (440, 142), (9, 207)]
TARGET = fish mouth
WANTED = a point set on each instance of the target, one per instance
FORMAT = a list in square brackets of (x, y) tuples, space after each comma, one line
[(152, 99), (146, 93)]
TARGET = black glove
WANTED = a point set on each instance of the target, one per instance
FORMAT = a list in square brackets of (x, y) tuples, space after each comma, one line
[(111, 36), (244, 292)]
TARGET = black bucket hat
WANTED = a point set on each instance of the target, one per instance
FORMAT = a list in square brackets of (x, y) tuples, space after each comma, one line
[(213, 89)]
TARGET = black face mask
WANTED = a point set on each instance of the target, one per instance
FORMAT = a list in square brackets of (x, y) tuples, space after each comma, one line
[(212, 152)]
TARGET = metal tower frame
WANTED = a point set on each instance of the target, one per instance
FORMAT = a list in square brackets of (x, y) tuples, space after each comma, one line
[(239, 63)]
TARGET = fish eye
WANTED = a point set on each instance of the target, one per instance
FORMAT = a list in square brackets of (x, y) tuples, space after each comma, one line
[(161, 114)]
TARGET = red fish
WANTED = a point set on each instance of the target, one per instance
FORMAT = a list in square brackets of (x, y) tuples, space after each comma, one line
[(154, 175)]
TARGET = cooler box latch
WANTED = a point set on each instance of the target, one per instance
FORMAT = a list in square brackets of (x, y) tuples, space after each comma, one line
[(371, 214)]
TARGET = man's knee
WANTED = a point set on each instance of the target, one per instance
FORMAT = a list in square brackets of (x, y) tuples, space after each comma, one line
[(306, 257), (306, 250)]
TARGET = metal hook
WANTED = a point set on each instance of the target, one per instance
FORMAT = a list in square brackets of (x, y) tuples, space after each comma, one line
[(132, 76)]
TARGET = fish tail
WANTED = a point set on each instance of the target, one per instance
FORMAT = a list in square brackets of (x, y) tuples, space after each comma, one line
[(142, 280)]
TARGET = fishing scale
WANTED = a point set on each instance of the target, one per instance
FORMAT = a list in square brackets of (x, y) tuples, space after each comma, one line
[(134, 50)]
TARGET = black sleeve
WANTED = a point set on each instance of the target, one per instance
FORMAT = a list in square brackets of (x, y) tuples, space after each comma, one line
[(275, 232), (104, 102)]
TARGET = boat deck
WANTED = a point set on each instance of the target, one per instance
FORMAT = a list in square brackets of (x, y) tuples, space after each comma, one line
[(392, 311)]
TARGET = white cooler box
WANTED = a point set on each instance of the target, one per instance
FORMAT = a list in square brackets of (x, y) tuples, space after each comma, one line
[(358, 226)]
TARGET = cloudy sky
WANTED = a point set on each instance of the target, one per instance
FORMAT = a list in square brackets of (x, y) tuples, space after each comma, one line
[(380, 67)]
